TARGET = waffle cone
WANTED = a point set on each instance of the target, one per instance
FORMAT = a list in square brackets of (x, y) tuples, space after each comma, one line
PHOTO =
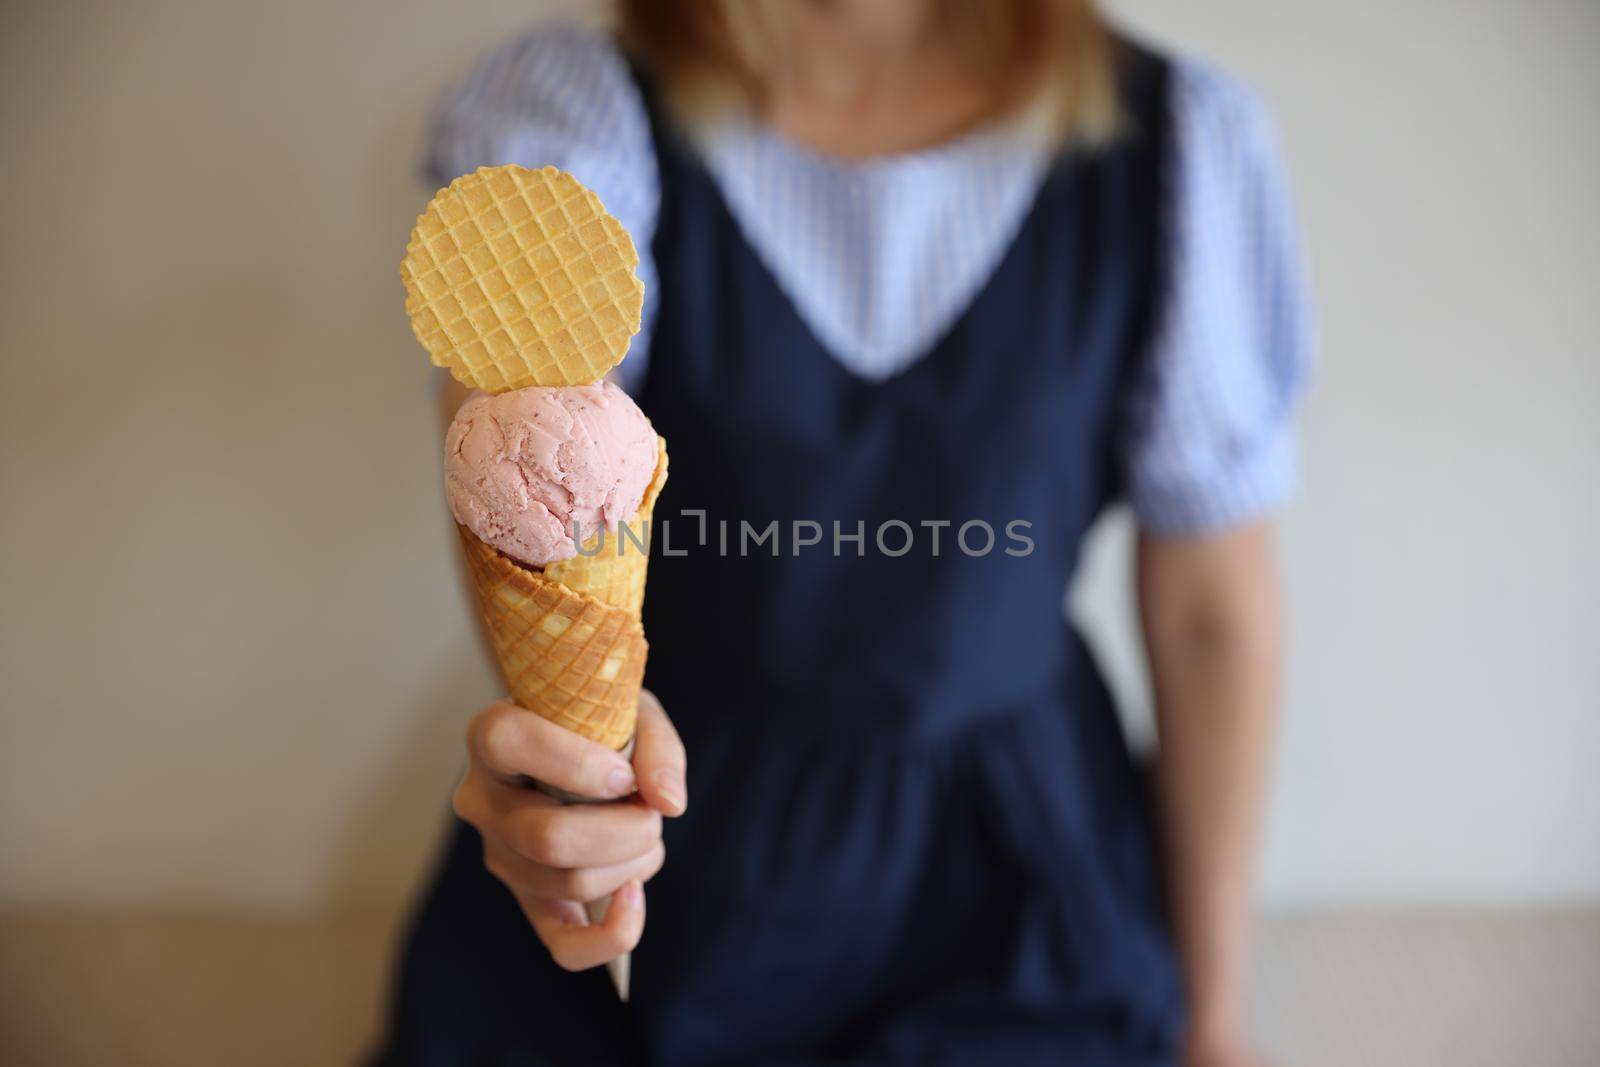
[(611, 566), (573, 659)]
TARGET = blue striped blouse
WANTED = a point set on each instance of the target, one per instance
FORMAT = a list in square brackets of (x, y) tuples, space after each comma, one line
[(881, 256)]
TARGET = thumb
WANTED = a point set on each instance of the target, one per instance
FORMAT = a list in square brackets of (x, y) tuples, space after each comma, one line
[(577, 944), (659, 760)]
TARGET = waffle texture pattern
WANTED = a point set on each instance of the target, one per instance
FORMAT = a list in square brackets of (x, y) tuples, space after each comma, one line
[(566, 656), (517, 277)]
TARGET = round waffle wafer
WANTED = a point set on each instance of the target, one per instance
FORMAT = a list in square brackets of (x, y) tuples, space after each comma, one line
[(518, 277)]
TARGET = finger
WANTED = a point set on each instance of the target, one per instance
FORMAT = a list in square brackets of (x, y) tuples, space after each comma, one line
[(470, 801), (512, 742), (577, 944), (576, 835), (659, 760), (490, 803), (582, 884)]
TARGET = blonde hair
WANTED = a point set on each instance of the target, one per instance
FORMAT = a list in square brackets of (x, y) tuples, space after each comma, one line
[(709, 55)]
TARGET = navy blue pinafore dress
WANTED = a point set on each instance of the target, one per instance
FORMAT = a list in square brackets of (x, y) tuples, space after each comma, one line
[(915, 833)]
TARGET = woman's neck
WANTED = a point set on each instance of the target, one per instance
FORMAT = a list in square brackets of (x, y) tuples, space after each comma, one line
[(873, 77)]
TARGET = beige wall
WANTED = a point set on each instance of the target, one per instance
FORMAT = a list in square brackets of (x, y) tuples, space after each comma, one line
[(210, 694)]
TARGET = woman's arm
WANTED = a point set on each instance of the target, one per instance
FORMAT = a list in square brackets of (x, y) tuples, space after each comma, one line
[(1210, 613)]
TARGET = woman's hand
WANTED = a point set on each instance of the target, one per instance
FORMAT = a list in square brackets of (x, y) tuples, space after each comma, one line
[(556, 857)]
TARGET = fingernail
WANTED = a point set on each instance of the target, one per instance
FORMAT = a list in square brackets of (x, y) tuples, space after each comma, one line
[(669, 787), (632, 894), (619, 782)]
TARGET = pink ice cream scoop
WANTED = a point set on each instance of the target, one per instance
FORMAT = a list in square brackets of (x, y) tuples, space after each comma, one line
[(520, 468)]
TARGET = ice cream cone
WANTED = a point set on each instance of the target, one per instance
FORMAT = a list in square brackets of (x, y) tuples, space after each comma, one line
[(569, 640), (568, 637)]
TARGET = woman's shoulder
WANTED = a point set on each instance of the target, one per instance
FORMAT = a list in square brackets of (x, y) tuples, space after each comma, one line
[(579, 48), (551, 67), (1212, 102), (1210, 442), (560, 94)]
